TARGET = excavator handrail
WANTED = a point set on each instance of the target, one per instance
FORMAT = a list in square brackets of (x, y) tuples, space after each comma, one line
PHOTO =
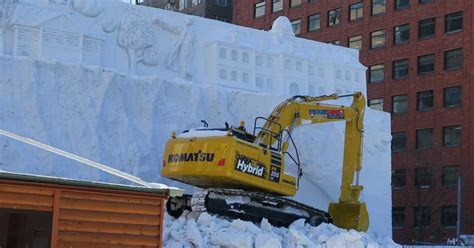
[(297, 161)]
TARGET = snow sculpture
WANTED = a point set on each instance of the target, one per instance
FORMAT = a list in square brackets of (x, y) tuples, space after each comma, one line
[(135, 35), (282, 26), (6, 11), (125, 109), (180, 58), (90, 8)]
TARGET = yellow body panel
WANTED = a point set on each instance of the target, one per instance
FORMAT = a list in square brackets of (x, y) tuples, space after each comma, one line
[(195, 161)]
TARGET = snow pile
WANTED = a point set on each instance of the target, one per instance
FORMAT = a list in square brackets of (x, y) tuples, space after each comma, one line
[(203, 230)]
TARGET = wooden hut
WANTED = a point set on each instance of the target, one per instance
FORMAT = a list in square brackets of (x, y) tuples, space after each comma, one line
[(53, 212)]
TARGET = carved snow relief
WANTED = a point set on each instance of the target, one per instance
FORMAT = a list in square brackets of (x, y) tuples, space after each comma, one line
[(27, 41), (149, 42)]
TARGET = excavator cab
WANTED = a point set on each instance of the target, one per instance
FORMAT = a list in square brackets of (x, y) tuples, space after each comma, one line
[(280, 141)]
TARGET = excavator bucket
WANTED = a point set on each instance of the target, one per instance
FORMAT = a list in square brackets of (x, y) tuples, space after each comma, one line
[(350, 215)]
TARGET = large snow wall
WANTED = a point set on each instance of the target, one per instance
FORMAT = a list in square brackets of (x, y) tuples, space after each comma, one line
[(110, 82)]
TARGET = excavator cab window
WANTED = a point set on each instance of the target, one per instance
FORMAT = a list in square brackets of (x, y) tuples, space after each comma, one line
[(275, 136)]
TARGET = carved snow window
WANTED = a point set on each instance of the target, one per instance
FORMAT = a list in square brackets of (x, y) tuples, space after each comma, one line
[(269, 83), (233, 55), (338, 74), (233, 75), (222, 53), (245, 58), (91, 51), (294, 89), (27, 42), (223, 74), (259, 82), (245, 77), (299, 66), (348, 75), (61, 45)]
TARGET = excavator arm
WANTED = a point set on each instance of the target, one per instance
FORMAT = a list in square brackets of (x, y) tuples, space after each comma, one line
[(349, 212)]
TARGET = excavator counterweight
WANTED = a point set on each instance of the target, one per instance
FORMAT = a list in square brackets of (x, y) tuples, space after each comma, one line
[(243, 174)]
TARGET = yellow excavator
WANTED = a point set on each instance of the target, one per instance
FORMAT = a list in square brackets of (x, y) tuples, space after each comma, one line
[(242, 174)]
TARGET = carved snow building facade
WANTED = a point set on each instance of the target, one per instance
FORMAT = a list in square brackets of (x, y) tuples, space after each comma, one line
[(246, 68), (52, 35)]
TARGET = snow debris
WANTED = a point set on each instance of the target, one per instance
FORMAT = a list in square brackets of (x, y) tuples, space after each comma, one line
[(192, 234), (204, 219), (212, 231), (202, 133), (265, 240)]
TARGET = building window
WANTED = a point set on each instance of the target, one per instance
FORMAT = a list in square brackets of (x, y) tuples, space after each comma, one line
[(423, 177), (221, 18), (296, 24), (355, 42), (426, 64), (424, 100), (453, 22), (422, 216), (334, 17), (452, 136), (449, 216), (376, 73), (376, 104), (399, 104), (398, 178), (452, 97), (402, 4), (401, 34), (294, 3), (453, 59), (259, 9), (378, 7), (424, 1), (377, 39), (356, 11), (398, 217), (277, 5), (335, 42), (400, 69), (450, 175), (314, 22), (399, 141), (222, 3), (424, 138), (426, 28)]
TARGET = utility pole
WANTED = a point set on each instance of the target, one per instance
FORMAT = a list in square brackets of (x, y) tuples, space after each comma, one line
[(458, 222)]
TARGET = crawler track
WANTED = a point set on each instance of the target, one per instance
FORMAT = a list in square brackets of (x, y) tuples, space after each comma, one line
[(250, 206)]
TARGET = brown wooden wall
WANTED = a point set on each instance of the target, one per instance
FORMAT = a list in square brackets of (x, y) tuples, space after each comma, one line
[(84, 217)]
